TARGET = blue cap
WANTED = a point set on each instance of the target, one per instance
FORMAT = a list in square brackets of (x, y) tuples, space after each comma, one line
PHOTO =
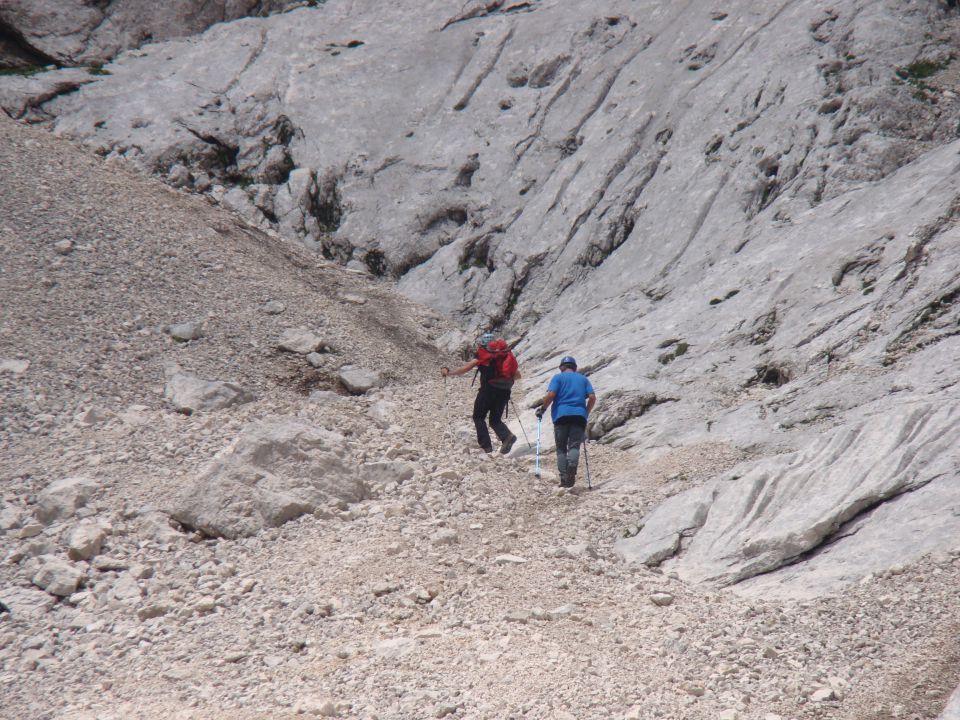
[(568, 361)]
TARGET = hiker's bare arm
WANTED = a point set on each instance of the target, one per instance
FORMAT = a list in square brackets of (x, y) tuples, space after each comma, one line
[(460, 370), (591, 401), (547, 399)]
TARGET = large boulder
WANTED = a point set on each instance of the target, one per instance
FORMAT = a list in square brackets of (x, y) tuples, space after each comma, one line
[(859, 500), (62, 498), (275, 471), (190, 394)]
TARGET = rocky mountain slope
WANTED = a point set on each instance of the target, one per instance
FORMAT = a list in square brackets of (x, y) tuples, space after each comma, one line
[(741, 219), (424, 579)]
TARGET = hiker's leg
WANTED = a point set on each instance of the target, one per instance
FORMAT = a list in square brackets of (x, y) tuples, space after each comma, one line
[(574, 439), (498, 403), (560, 435), (480, 409)]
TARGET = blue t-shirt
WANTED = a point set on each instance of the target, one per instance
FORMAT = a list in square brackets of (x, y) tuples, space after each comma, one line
[(571, 390)]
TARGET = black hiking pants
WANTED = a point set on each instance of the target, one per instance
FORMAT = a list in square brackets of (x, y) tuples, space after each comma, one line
[(490, 402), (569, 431)]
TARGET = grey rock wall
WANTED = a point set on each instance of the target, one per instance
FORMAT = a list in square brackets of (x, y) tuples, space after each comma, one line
[(74, 32)]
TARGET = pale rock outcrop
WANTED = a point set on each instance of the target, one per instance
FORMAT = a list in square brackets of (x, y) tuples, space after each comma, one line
[(85, 541), (849, 504), (155, 527), (275, 471), (358, 380), (10, 518), (92, 416), (57, 576), (20, 93), (190, 394), (300, 341), (62, 498), (663, 531), (14, 367), (185, 331), (26, 602)]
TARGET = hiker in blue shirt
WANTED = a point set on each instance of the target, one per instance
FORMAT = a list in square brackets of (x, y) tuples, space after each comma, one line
[(572, 397)]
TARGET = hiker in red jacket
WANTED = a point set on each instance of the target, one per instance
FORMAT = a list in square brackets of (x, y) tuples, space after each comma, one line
[(498, 369)]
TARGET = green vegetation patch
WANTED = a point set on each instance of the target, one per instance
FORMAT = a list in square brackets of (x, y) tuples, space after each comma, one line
[(22, 71), (921, 69), (679, 349)]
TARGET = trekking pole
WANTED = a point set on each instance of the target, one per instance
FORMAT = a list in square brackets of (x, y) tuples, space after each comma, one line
[(537, 470), (586, 461), (520, 423)]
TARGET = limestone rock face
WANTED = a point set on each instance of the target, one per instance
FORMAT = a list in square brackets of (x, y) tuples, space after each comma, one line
[(847, 504), (79, 32), (275, 471), (190, 394)]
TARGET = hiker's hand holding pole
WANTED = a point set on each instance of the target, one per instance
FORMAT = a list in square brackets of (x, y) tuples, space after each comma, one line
[(446, 372), (545, 403)]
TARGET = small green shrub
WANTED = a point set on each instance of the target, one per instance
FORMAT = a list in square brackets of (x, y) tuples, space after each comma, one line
[(376, 262), (23, 72), (97, 69), (920, 69), (679, 349)]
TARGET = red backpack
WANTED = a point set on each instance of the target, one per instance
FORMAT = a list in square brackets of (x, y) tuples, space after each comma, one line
[(497, 364)]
